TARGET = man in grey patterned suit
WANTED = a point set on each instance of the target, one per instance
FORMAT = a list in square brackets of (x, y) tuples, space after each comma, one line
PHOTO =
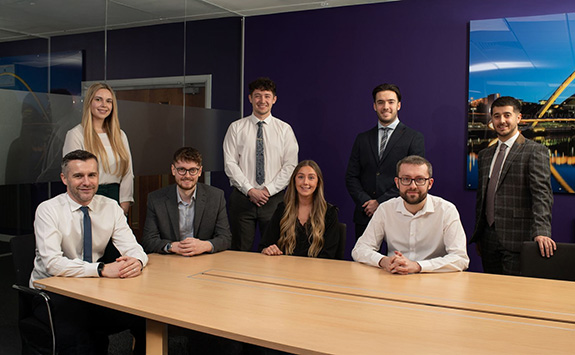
[(514, 196)]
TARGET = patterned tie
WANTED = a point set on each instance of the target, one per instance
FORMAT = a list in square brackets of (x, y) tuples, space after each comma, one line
[(383, 142), (491, 187), (260, 172), (87, 234)]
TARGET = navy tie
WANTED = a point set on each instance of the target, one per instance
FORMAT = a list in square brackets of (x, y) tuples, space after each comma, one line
[(260, 171), (87, 234)]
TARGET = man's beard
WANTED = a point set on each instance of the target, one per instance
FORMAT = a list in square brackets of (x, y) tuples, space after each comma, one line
[(415, 199)]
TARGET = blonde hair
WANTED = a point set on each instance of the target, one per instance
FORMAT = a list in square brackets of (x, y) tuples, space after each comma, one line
[(111, 126), (287, 240)]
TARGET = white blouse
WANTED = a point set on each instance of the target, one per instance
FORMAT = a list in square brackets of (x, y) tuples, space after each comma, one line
[(75, 140)]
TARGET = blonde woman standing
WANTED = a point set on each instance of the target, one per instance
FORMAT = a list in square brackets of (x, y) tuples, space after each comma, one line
[(304, 224), (100, 134)]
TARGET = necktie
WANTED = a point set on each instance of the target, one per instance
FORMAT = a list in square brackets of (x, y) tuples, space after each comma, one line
[(383, 142), (87, 234), (260, 172), (491, 187)]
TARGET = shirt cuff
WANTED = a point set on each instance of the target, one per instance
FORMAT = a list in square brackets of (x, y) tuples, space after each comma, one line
[(244, 189), (425, 265), (375, 258), (92, 269)]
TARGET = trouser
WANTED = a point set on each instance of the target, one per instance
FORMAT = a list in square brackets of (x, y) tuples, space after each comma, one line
[(83, 328), (199, 343), (244, 215), (495, 258)]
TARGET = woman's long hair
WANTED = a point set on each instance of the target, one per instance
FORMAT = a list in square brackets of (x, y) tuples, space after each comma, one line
[(287, 240), (111, 126)]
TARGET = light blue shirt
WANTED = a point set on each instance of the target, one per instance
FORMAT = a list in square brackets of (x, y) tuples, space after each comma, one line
[(392, 126), (187, 214)]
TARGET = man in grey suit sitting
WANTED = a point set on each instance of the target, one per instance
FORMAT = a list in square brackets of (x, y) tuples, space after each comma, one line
[(188, 218)]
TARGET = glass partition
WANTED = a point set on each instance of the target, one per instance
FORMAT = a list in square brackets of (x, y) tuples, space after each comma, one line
[(42, 79)]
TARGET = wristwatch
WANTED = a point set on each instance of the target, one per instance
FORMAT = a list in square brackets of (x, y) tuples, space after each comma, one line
[(100, 269), (169, 247)]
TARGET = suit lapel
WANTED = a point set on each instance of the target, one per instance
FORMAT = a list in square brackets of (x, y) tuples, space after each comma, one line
[(200, 207), (173, 212), (374, 142), (486, 166), (394, 138), (513, 154)]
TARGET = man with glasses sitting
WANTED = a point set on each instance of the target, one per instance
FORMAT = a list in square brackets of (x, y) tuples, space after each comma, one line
[(423, 232), (188, 218)]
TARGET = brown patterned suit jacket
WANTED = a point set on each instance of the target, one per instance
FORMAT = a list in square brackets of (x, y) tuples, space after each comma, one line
[(523, 198)]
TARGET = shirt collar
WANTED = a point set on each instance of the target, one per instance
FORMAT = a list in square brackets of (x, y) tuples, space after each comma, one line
[(74, 206), (182, 201), (509, 143), (267, 120), (391, 126), (427, 207)]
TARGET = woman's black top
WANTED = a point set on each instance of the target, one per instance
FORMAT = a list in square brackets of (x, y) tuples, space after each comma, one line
[(302, 232)]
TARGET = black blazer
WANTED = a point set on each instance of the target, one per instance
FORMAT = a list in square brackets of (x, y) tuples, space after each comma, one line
[(162, 220), (368, 177)]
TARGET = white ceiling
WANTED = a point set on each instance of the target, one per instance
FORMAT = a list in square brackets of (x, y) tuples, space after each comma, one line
[(23, 19)]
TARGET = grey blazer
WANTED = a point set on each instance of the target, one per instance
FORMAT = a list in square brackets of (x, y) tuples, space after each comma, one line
[(523, 197), (162, 219)]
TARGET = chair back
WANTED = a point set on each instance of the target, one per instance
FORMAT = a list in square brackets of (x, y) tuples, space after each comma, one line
[(37, 337), (23, 254), (340, 252), (561, 266)]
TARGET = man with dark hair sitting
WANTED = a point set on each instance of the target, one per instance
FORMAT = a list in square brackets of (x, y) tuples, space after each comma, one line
[(72, 231)]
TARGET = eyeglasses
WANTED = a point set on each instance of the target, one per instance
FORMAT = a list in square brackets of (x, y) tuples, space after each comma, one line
[(405, 181), (192, 171)]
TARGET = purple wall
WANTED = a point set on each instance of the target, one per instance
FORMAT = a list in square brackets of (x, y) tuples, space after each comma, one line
[(326, 62)]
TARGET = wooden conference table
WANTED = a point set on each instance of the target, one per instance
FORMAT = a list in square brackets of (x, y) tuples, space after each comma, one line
[(305, 305)]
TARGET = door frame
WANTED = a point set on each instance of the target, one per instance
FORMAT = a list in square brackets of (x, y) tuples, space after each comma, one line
[(158, 83)]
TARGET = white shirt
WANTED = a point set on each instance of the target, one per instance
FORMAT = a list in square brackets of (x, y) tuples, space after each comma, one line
[(280, 154), (75, 140), (509, 143), (433, 237), (58, 227)]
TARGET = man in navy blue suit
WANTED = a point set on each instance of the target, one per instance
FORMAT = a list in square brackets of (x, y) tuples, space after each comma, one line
[(372, 164)]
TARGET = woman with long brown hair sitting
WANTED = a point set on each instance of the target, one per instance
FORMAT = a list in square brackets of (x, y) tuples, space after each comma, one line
[(304, 224)]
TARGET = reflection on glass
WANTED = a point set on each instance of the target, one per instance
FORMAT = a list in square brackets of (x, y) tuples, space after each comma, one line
[(34, 127), (156, 131)]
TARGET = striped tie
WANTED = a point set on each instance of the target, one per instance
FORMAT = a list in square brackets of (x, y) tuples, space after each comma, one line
[(260, 171)]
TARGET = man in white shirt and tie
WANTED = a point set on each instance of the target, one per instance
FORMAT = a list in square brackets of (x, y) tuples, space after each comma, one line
[(72, 231), (260, 153)]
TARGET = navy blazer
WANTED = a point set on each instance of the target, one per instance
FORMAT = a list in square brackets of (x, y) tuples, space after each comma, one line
[(523, 196), (369, 177), (162, 220)]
